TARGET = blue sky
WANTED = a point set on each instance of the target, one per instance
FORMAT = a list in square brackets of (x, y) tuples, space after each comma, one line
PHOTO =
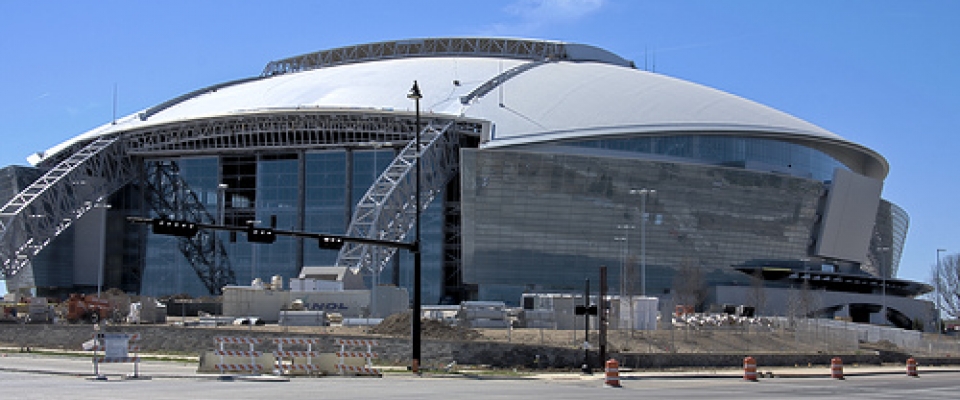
[(880, 73)]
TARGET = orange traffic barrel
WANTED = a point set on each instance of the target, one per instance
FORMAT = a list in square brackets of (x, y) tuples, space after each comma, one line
[(836, 368), (912, 367), (750, 369), (612, 374)]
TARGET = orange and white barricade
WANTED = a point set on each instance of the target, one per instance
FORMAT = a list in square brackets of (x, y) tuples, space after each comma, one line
[(836, 368), (252, 367), (750, 369), (368, 357), (285, 358), (912, 367), (109, 348), (612, 374)]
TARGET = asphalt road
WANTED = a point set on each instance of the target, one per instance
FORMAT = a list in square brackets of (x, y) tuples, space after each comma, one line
[(31, 377)]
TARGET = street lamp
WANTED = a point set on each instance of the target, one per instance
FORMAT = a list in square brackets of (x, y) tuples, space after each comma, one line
[(643, 235), (882, 268), (101, 259), (939, 329), (624, 249), (221, 212), (415, 318)]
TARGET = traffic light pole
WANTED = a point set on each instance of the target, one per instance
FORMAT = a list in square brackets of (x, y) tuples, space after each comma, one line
[(326, 240), (602, 315), (586, 328)]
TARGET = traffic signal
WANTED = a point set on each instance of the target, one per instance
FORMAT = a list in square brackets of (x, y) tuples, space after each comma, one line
[(260, 235), (163, 226), (585, 310), (330, 242)]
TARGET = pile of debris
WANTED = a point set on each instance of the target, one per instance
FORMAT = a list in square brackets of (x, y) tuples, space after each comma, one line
[(399, 325)]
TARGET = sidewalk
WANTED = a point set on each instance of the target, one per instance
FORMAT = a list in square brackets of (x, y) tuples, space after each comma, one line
[(186, 368), (762, 373)]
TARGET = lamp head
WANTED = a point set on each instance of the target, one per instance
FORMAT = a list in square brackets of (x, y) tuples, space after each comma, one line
[(415, 92)]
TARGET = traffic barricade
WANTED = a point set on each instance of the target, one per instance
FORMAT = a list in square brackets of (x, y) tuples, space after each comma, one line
[(912, 367), (836, 368), (286, 359), (368, 356), (612, 374), (750, 369), (252, 367), (112, 348)]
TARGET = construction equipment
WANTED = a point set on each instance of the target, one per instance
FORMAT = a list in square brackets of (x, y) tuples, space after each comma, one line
[(87, 308)]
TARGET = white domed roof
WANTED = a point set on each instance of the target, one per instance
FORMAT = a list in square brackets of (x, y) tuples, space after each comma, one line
[(586, 96)]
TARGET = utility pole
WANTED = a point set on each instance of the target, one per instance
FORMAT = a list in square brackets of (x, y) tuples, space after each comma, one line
[(602, 312), (415, 328)]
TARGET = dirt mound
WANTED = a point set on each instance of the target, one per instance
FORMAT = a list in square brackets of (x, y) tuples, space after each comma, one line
[(399, 325)]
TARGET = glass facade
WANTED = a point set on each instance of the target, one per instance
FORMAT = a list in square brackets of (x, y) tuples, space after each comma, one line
[(540, 217), (541, 221), (886, 244), (755, 154), (316, 196)]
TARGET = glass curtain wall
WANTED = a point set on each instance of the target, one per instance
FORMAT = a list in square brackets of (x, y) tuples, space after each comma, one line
[(545, 222), (732, 151), (327, 198)]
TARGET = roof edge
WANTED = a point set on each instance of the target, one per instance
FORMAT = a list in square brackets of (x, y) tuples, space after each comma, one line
[(859, 158), (524, 49)]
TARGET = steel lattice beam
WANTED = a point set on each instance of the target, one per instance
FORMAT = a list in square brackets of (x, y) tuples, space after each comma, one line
[(170, 196), (437, 47), (86, 173), (386, 211), (51, 204)]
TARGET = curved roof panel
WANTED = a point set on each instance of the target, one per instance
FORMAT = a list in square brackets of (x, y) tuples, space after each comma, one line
[(528, 99)]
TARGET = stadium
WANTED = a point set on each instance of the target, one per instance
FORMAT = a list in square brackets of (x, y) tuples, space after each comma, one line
[(540, 162)]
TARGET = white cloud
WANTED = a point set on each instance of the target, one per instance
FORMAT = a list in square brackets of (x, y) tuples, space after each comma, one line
[(533, 15)]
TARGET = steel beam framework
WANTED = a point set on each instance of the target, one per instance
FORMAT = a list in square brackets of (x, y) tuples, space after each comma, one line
[(51, 204), (437, 47), (387, 210), (171, 197), (276, 130), (498, 80), (84, 175)]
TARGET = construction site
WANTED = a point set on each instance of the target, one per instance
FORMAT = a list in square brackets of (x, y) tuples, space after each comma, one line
[(483, 335)]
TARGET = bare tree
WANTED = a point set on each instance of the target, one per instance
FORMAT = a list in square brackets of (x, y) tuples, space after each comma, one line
[(803, 302), (758, 294), (946, 280), (690, 286)]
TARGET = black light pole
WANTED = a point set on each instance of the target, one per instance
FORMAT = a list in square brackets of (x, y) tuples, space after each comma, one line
[(586, 327), (602, 315), (415, 318)]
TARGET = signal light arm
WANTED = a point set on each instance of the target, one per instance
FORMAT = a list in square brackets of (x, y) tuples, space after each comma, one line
[(322, 237)]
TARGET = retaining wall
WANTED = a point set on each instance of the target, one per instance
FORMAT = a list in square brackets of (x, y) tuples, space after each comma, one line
[(435, 353)]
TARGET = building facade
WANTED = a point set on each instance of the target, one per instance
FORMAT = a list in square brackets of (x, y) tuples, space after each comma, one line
[(541, 162)]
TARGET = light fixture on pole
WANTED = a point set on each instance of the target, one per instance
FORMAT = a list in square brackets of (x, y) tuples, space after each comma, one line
[(624, 250), (103, 245), (882, 268), (937, 288), (221, 212), (643, 235), (415, 318)]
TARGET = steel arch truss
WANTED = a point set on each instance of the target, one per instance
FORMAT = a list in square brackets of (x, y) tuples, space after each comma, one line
[(171, 197), (436, 47), (387, 211), (85, 174), (51, 204)]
